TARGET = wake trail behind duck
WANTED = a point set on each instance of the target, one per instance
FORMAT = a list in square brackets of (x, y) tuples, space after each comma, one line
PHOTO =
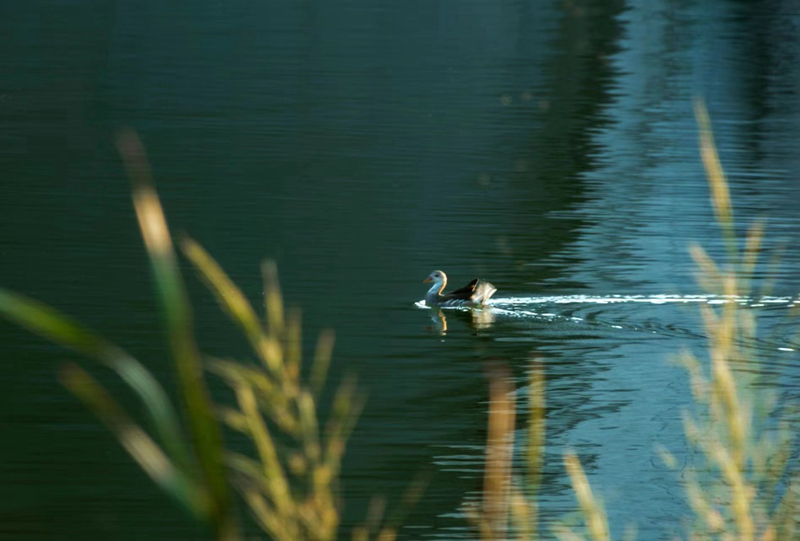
[(616, 312), (647, 299)]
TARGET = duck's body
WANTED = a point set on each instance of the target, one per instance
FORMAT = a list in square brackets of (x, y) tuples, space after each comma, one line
[(475, 293)]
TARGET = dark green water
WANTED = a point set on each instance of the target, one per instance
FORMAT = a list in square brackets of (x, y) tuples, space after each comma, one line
[(547, 146)]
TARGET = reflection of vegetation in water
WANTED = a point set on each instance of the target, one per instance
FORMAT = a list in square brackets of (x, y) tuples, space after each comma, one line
[(745, 488), (477, 318)]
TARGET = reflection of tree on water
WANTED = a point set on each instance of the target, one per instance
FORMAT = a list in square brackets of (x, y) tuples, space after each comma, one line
[(477, 318)]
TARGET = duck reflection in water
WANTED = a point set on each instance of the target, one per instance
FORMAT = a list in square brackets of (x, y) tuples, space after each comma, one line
[(478, 319)]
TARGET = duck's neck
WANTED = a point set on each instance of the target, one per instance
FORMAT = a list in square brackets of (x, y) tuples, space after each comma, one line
[(436, 290)]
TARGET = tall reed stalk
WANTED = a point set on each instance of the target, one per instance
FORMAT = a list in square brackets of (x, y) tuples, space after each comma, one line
[(745, 487), (508, 508)]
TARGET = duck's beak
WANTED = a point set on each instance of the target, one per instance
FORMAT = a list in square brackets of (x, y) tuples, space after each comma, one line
[(428, 279)]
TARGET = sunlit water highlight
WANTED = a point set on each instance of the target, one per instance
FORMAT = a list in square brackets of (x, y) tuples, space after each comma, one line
[(563, 308), (516, 302)]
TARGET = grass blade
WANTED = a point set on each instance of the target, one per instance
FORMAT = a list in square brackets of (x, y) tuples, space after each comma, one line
[(274, 399), (139, 445), (273, 301), (59, 328), (204, 429), (273, 473), (322, 361), (593, 512), (499, 449), (293, 347), (536, 424), (232, 300), (720, 194)]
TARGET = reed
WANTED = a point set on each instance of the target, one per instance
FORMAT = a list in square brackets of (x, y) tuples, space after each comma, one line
[(184, 455), (289, 481), (744, 486), (508, 508)]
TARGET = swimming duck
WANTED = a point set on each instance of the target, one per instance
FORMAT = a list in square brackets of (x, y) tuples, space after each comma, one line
[(475, 293)]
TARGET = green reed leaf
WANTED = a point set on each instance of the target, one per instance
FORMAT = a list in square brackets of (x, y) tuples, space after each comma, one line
[(150, 457), (61, 329), (204, 429)]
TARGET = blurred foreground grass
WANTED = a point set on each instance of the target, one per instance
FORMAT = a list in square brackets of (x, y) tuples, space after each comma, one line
[(290, 481), (745, 487)]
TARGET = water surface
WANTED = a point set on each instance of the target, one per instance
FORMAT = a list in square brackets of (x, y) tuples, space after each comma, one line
[(549, 147)]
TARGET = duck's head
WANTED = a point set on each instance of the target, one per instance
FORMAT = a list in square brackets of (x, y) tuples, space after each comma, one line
[(437, 277)]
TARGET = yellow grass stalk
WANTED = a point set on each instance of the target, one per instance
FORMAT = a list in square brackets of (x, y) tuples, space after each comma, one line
[(277, 484), (720, 195), (234, 302), (293, 346), (500, 444), (273, 301), (592, 509), (709, 276), (322, 360)]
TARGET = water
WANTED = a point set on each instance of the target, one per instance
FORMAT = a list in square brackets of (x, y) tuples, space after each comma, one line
[(547, 147)]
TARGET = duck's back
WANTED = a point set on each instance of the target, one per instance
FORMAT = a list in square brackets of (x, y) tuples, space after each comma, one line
[(475, 293)]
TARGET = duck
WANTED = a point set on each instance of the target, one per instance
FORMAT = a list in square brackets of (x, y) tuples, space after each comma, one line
[(475, 293)]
